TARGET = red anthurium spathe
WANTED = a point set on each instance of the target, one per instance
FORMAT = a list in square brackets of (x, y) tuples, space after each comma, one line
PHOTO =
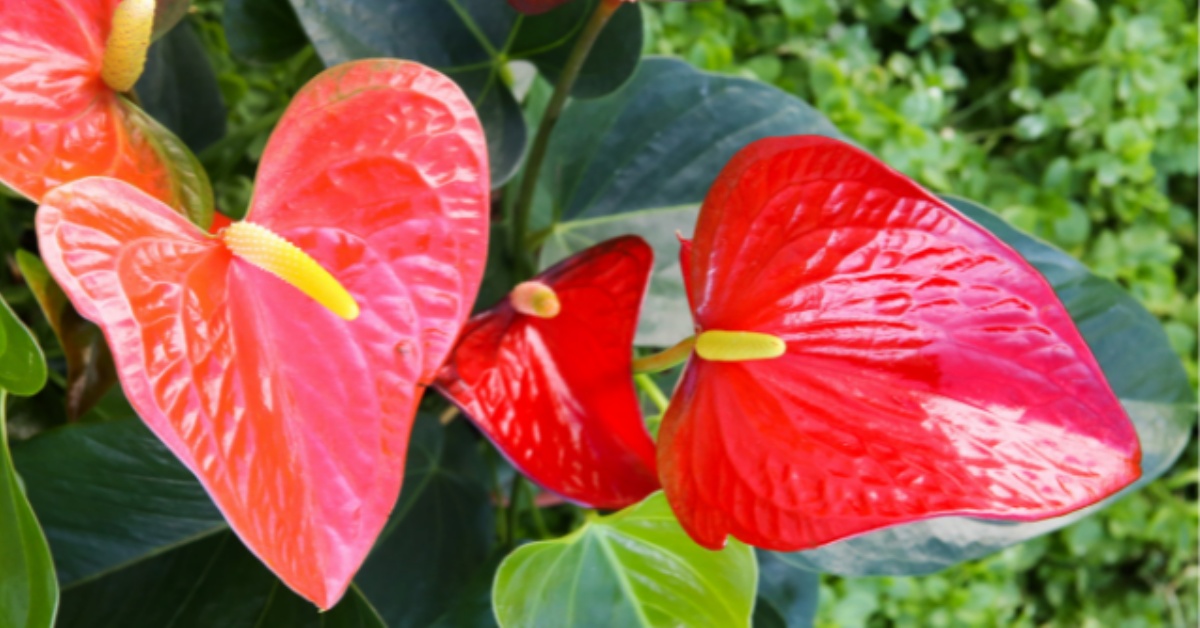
[(867, 356), (537, 7), (545, 374), (372, 196), (63, 64)]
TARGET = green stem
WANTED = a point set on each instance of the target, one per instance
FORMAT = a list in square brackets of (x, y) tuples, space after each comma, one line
[(514, 508), (489, 458), (538, 523), (666, 359), (537, 152), (646, 383)]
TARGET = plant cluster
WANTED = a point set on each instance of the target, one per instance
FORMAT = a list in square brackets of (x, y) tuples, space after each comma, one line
[(691, 348)]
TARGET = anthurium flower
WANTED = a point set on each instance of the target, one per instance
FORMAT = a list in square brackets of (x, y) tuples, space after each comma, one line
[(866, 356), (545, 375), (281, 359), (64, 66), (537, 7)]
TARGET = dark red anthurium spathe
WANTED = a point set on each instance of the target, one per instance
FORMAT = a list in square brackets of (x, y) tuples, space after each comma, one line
[(552, 387), (926, 369), (294, 418), (62, 119)]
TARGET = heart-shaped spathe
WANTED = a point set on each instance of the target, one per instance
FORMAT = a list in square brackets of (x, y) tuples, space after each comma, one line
[(60, 122), (295, 420), (555, 394), (927, 368)]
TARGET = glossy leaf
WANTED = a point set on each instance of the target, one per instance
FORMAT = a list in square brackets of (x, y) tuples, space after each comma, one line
[(90, 369), (109, 495), (556, 395), (471, 40), (179, 89), (59, 122), (679, 126), (212, 582), (929, 369), (28, 590), (789, 592), (636, 567), (112, 498), (262, 30), (397, 213), (440, 535), (1141, 367), (22, 367)]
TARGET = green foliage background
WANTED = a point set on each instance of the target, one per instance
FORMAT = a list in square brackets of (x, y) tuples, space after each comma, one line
[(1076, 120)]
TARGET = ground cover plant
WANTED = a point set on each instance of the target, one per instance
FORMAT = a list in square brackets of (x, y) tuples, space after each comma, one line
[(716, 350)]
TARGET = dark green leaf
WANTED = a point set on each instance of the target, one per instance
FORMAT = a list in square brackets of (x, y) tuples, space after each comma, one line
[(179, 89), (213, 582), (636, 567), (90, 369), (28, 589), (22, 367), (471, 40), (766, 615), (110, 494), (790, 592), (1143, 370), (263, 30), (113, 497), (440, 533), (641, 160)]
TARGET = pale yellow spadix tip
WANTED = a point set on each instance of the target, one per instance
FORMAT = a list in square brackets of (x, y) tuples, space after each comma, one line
[(262, 248), (128, 41), (738, 346), (534, 298)]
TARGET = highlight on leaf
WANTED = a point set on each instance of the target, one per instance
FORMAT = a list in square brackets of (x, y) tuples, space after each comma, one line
[(62, 66), (219, 358), (926, 369), (556, 394)]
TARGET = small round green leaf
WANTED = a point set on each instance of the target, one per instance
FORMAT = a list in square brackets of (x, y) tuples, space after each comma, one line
[(22, 366), (633, 568)]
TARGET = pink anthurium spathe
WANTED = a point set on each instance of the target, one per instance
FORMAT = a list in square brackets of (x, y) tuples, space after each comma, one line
[(545, 374), (64, 65), (866, 356), (293, 403)]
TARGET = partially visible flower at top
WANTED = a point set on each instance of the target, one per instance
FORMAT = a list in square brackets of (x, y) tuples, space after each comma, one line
[(545, 374), (282, 359), (537, 7), (867, 356), (64, 66)]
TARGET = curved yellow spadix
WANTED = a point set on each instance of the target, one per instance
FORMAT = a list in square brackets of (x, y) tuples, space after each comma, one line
[(534, 298), (262, 248), (738, 346), (128, 41)]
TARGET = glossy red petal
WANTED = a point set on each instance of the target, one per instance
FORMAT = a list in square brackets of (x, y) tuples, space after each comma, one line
[(59, 122), (929, 371), (295, 420), (556, 395), (390, 155), (535, 7)]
